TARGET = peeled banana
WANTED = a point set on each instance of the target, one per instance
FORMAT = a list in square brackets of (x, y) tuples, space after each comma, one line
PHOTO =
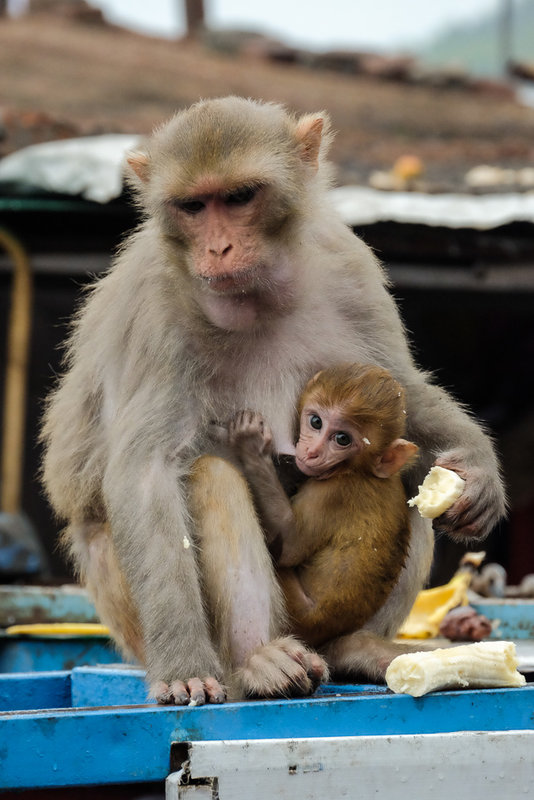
[(479, 666), (439, 490)]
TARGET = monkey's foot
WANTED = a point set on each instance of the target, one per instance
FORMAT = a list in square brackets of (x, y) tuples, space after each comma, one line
[(283, 668), (194, 692)]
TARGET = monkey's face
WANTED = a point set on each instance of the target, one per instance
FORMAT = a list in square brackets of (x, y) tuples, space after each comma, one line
[(327, 440), (224, 182), (239, 271)]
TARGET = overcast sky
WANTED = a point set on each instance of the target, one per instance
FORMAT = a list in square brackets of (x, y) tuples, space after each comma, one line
[(313, 23)]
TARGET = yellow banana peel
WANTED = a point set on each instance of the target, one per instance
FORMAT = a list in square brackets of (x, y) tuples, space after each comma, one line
[(431, 606), (59, 629)]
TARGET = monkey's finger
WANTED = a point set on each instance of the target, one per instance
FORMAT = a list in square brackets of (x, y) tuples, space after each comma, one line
[(214, 691), (196, 692), (316, 671), (179, 695), (167, 695), (160, 692), (469, 525), (267, 433), (316, 668)]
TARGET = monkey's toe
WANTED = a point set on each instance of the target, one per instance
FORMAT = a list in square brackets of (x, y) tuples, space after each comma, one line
[(194, 692), (282, 668)]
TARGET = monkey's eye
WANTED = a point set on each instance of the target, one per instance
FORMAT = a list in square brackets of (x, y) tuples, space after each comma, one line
[(241, 196), (316, 422), (342, 439), (190, 206)]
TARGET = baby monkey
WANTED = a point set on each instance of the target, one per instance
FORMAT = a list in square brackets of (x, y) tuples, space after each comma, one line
[(341, 541)]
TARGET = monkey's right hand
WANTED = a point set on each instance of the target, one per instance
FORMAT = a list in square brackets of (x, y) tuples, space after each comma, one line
[(194, 692), (249, 435)]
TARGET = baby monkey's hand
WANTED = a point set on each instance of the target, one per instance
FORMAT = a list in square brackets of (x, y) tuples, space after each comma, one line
[(249, 435)]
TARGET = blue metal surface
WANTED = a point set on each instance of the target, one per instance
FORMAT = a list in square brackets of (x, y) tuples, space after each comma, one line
[(84, 746), (93, 686), (46, 653), (28, 604), (514, 618), (35, 691)]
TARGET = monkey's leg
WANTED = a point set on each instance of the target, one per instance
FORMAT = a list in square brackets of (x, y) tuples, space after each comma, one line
[(368, 652), (244, 600), (92, 548)]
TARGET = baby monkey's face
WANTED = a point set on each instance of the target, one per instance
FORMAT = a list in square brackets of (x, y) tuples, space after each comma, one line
[(327, 439)]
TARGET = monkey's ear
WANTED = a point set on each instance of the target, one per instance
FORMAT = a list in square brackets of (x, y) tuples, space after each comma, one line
[(394, 458), (140, 164), (309, 135)]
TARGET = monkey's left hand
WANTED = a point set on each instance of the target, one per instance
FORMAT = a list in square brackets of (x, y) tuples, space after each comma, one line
[(481, 505), (249, 435)]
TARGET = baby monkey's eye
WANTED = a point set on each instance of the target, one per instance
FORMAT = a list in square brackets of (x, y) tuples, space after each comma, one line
[(241, 196), (342, 439), (316, 422)]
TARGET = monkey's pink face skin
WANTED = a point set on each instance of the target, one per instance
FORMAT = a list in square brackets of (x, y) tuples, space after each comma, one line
[(230, 256), (327, 439)]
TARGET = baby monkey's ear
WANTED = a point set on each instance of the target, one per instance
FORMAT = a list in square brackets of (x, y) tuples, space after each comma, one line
[(394, 457)]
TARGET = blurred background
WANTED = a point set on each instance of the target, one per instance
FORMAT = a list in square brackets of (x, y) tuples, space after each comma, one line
[(429, 101)]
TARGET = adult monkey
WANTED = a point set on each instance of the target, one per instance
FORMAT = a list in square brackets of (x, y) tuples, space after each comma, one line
[(239, 285)]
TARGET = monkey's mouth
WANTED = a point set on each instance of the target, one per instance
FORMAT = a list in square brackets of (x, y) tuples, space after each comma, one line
[(320, 474), (237, 283)]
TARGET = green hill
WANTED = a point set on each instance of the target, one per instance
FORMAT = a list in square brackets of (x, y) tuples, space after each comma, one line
[(479, 47)]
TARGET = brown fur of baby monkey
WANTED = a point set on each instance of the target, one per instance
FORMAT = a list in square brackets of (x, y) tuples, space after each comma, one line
[(342, 541)]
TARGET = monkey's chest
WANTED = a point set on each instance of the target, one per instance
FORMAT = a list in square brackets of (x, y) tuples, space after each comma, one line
[(274, 398)]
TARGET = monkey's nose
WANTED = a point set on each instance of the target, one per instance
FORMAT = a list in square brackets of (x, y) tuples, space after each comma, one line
[(221, 250), (313, 453)]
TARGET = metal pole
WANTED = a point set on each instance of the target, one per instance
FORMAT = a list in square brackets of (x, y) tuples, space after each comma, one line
[(506, 35), (194, 17)]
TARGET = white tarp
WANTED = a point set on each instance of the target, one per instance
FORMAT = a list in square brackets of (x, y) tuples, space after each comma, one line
[(92, 167), (88, 166), (359, 205)]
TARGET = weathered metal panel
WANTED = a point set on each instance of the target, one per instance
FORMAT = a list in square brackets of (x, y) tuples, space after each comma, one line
[(486, 766)]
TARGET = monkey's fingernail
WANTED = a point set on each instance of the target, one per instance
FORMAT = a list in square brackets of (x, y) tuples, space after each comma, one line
[(178, 693), (214, 691), (196, 692)]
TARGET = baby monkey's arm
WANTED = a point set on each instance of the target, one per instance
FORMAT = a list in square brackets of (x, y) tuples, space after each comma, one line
[(250, 438)]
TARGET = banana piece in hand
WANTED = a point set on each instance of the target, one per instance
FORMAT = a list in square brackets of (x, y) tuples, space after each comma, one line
[(439, 490), (482, 665)]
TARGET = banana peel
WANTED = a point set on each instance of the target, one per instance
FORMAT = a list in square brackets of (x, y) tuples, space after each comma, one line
[(60, 629), (431, 606)]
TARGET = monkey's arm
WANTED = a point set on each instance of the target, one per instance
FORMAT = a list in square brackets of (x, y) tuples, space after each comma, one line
[(251, 440), (446, 433), (452, 439)]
